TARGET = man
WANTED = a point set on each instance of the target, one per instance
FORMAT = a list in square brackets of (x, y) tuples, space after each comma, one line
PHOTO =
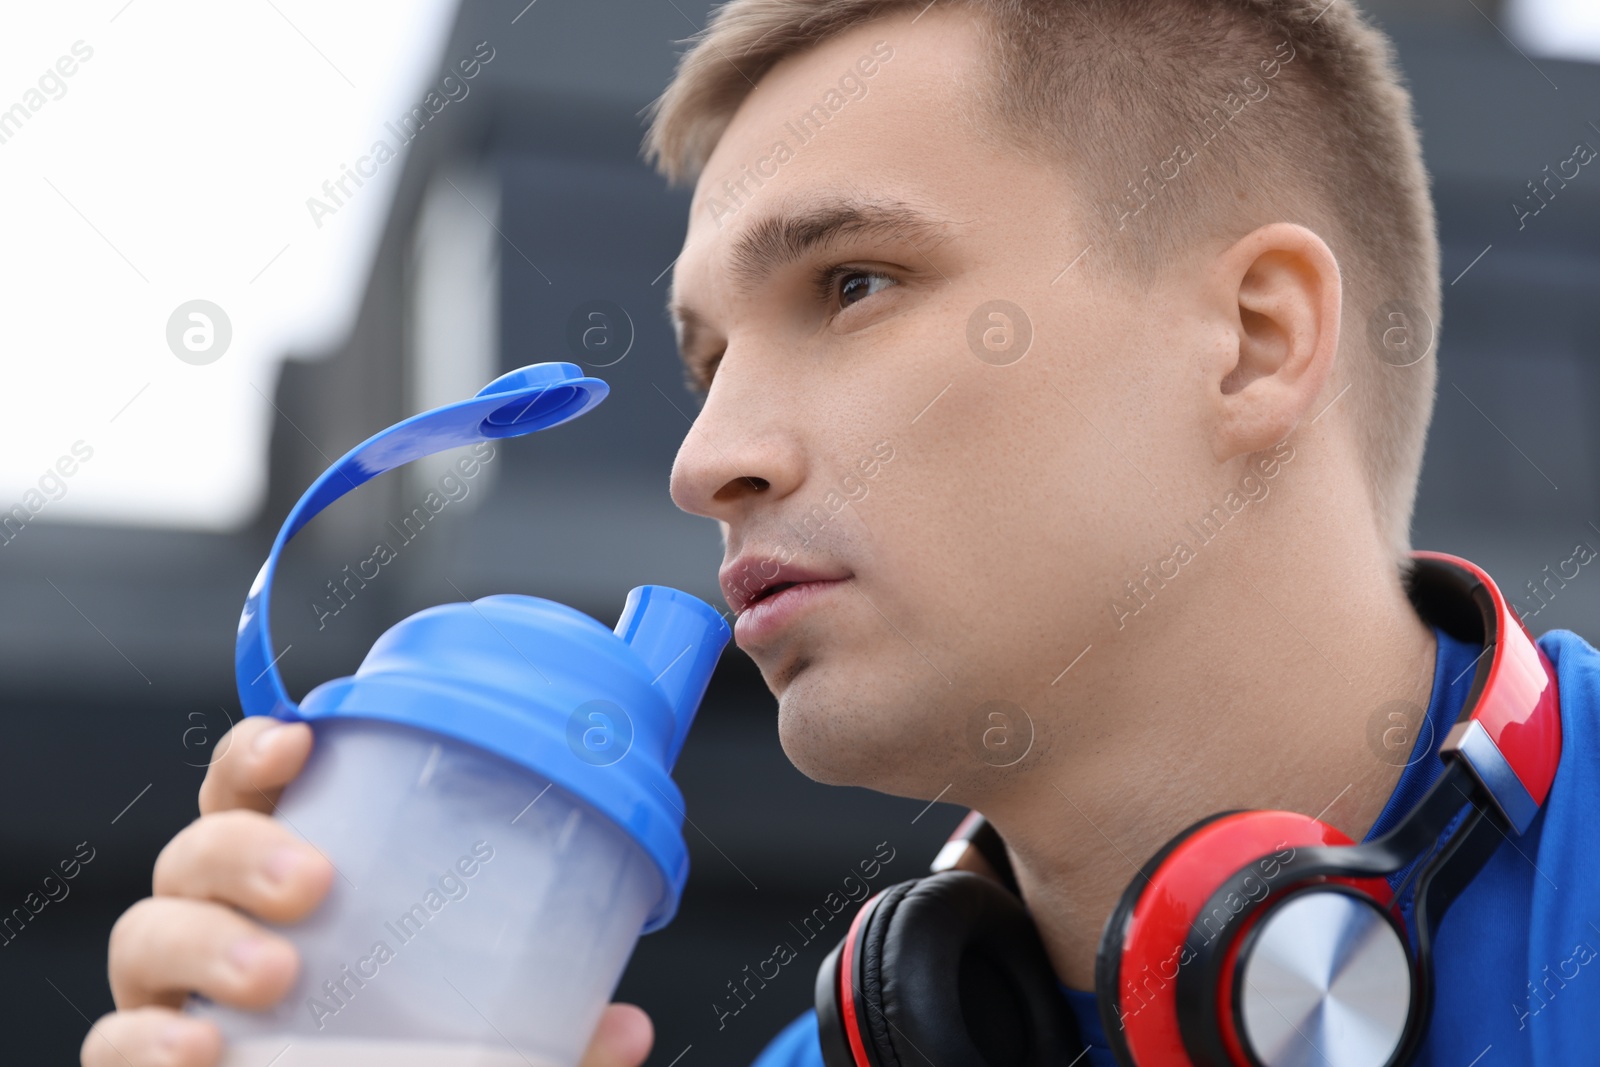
[(1070, 304)]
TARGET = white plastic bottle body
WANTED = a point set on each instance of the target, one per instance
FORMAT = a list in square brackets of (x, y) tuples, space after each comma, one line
[(479, 915)]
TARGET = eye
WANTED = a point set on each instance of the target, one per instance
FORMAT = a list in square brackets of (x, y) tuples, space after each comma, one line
[(699, 372), (841, 286)]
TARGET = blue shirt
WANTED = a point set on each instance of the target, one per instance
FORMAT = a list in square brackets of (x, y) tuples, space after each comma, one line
[(1517, 956)]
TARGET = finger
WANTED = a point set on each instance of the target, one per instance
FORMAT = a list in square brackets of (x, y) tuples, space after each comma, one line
[(151, 1037), (253, 762), (622, 1039), (164, 947), (246, 859)]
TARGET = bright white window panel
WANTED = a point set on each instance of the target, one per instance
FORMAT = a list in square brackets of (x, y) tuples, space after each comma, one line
[(174, 164)]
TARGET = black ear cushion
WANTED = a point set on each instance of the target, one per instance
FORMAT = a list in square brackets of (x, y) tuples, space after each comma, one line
[(953, 973), (876, 1033), (833, 1029), (830, 1020)]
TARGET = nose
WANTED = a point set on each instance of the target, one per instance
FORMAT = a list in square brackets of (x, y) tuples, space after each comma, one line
[(740, 451)]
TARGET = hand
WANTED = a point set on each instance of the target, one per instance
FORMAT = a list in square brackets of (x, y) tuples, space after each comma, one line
[(622, 1039), (193, 933)]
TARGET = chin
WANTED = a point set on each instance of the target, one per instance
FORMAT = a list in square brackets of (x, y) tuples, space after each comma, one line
[(813, 727), (839, 729)]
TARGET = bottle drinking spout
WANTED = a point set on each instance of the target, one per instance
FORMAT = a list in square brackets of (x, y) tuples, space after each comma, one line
[(678, 638)]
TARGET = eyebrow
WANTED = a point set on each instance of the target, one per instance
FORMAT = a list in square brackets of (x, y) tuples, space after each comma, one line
[(779, 239)]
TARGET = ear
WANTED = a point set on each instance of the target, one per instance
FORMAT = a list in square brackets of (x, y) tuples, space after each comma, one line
[(1277, 291)]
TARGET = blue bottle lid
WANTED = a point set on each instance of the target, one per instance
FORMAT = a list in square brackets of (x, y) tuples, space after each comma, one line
[(601, 713)]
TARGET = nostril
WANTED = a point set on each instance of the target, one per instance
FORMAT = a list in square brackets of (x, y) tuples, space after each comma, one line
[(739, 486)]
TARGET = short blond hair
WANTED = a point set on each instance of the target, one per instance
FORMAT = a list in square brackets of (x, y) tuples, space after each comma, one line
[(1112, 89)]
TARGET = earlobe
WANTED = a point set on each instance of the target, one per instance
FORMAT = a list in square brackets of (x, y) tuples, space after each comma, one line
[(1280, 291)]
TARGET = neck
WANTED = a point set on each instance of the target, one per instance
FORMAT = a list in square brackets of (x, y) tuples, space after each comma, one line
[(1278, 705)]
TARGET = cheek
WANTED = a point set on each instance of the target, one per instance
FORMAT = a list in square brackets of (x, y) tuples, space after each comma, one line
[(957, 532), (990, 537), (1008, 518)]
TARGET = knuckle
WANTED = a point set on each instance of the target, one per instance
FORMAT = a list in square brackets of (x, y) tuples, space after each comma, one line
[(193, 861), (226, 773), (127, 930), (240, 733), (161, 948), (95, 1042), (246, 859), (130, 963), (263, 975), (169, 861), (241, 777), (300, 891), (150, 1037)]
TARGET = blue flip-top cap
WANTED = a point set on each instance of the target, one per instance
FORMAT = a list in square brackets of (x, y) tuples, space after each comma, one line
[(601, 713)]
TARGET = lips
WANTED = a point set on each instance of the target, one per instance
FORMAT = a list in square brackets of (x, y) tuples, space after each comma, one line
[(753, 578)]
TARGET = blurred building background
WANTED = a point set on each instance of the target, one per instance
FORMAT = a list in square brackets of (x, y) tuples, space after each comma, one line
[(522, 213)]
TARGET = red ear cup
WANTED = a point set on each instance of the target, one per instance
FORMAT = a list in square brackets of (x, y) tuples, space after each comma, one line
[(1143, 950), (946, 969)]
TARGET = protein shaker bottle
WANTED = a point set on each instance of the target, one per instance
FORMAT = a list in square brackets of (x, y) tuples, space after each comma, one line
[(492, 787)]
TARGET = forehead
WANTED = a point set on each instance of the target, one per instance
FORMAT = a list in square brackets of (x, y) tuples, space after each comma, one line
[(863, 131)]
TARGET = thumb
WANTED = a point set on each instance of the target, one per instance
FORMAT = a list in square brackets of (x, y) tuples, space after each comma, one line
[(622, 1038)]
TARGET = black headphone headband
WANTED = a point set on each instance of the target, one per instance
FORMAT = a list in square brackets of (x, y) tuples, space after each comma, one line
[(1509, 730)]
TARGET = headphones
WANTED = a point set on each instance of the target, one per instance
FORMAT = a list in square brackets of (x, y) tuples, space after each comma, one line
[(1252, 939)]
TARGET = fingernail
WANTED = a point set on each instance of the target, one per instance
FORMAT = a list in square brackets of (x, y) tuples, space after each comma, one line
[(246, 953), (283, 862), (265, 738), (175, 1035)]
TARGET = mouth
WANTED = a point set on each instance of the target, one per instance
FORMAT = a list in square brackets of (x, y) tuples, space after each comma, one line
[(755, 584), (769, 591), (753, 578)]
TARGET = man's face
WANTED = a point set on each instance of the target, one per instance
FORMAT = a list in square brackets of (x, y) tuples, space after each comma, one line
[(874, 419)]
